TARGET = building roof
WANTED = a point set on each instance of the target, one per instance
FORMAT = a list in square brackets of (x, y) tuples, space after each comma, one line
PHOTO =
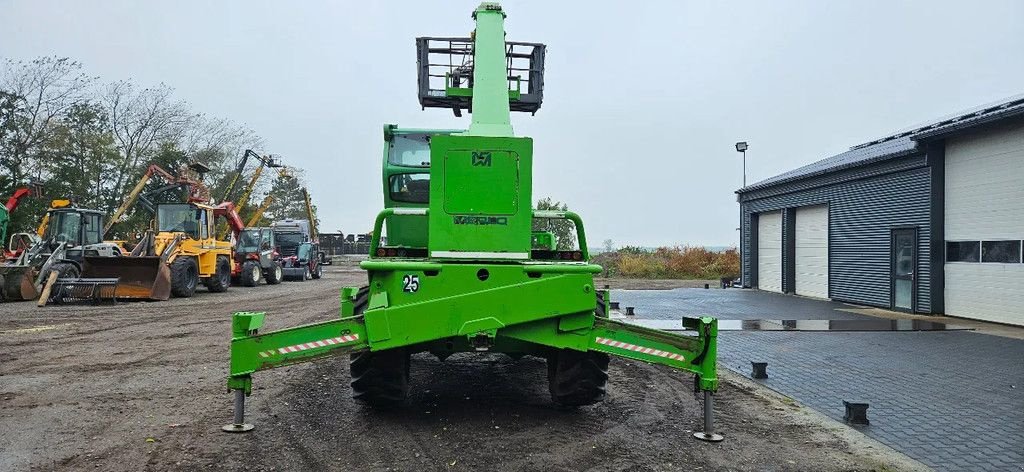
[(899, 144)]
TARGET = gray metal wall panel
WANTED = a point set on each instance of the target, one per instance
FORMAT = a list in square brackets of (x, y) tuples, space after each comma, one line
[(862, 214)]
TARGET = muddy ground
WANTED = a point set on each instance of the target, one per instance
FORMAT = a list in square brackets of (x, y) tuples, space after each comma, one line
[(141, 386)]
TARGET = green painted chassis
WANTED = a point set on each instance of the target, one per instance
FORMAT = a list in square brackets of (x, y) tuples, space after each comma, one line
[(523, 307)]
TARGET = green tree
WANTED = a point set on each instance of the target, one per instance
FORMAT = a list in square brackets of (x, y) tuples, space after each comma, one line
[(288, 199), (564, 230), (79, 155)]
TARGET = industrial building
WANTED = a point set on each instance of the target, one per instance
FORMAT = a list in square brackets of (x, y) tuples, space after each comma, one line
[(928, 220)]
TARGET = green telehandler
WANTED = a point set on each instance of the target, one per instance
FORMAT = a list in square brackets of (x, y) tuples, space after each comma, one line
[(462, 270)]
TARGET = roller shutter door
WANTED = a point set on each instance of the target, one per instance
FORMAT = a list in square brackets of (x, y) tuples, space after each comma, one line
[(811, 256), (769, 251)]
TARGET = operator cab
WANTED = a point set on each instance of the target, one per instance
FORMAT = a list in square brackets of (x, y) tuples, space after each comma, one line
[(407, 182), (252, 240), (74, 227), (409, 157), (182, 218)]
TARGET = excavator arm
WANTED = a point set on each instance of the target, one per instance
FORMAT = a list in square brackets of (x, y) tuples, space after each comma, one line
[(197, 190), (227, 210), (19, 194), (238, 174), (311, 215), (133, 196)]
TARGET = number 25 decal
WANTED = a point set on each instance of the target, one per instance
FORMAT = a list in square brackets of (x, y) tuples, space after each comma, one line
[(411, 283)]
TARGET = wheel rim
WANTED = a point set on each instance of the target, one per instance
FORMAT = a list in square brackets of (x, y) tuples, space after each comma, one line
[(256, 272), (277, 272)]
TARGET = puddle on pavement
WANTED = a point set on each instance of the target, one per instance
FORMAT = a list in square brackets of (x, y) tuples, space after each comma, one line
[(806, 325)]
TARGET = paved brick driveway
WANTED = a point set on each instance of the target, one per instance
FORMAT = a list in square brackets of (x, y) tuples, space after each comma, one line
[(952, 400)]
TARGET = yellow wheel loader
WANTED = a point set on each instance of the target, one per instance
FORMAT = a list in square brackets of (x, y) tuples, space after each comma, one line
[(173, 259)]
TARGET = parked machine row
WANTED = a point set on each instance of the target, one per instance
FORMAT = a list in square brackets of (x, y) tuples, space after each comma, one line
[(190, 243)]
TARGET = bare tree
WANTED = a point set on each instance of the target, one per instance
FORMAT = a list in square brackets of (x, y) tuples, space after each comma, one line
[(140, 120), (39, 91)]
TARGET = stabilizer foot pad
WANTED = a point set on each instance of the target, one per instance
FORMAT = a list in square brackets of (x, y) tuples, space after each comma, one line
[(237, 428), (709, 437)]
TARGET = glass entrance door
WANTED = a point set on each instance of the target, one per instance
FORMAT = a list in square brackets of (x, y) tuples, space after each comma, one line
[(904, 267)]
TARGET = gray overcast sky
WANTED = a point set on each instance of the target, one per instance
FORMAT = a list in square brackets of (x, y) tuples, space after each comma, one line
[(643, 100)]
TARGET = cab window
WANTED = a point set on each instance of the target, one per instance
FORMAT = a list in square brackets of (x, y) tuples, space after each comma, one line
[(64, 227), (410, 188), (92, 229), (179, 218), (409, 150)]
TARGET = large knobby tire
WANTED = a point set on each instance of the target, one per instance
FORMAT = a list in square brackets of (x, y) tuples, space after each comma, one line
[(221, 279), (577, 378), (64, 270), (379, 379), (275, 273), (184, 276), (250, 273)]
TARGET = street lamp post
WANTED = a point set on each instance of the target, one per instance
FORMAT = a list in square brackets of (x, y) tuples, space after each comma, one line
[(742, 147)]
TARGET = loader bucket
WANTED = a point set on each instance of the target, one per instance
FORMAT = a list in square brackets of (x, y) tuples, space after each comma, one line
[(18, 282), (140, 277)]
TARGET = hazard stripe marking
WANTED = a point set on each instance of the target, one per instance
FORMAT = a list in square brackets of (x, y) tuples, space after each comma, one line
[(348, 338), (640, 349)]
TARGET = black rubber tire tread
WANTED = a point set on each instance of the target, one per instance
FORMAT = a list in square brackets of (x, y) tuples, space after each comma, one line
[(64, 270), (379, 379), (221, 278), (250, 274), (600, 310), (318, 272), (577, 378), (274, 274), (184, 277)]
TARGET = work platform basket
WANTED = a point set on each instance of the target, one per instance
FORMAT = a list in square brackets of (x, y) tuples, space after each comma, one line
[(445, 75)]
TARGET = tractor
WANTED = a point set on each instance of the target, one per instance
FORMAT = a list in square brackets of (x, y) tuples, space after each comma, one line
[(256, 257), (458, 273)]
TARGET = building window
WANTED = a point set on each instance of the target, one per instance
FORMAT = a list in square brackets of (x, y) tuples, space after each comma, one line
[(1000, 251), (963, 251)]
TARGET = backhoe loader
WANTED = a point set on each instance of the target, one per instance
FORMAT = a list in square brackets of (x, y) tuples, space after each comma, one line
[(172, 259)]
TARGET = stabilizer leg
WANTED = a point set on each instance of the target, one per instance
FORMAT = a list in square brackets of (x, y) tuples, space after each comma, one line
[(239, 426), (709, 419)]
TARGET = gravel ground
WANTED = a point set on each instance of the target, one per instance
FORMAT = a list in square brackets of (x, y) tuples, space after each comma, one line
[(141, 386)]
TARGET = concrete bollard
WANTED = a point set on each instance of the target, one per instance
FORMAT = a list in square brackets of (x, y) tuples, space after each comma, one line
[(759, 370), (856, 413)]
